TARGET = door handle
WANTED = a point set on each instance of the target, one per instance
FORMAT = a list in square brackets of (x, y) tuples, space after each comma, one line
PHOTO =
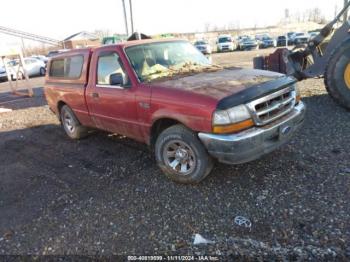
[(95, 95)]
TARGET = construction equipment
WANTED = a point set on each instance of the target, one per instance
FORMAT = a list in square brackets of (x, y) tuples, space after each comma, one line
[(326, 55)]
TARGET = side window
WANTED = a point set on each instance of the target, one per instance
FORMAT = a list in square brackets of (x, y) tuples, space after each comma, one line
[(68, 67), (57, 68), (74, 65), (109, 64)]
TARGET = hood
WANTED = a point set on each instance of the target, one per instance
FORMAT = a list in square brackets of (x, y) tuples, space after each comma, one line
[(201, 46), (222, 83), (248, 42)]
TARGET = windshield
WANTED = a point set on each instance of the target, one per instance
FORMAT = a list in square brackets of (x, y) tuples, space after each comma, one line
[(200, 43), (157, 60), (225, 39), (13, 63), (247, 39)]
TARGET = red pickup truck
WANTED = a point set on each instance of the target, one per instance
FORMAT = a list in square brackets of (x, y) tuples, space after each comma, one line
[(167, 94)]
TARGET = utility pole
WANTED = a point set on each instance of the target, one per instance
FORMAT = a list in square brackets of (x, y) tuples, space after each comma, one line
[(23, 47), (131, 17), (346, 13), (125, 19)]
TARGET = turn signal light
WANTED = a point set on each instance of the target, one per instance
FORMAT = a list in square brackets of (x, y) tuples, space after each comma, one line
[(298, 98), (233, 128)]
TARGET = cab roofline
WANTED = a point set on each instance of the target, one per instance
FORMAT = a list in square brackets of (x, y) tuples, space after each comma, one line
[(122, 45), (149, 41)]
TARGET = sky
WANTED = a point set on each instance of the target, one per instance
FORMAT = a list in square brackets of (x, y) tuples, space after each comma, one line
[(59, 19)]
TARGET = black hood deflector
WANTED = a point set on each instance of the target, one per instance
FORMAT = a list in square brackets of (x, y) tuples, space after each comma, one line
[(255, 92)]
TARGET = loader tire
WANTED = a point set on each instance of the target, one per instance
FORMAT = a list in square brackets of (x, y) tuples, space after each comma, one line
[(337, 75)]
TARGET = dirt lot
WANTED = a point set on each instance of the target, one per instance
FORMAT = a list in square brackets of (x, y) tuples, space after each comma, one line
[(105, 195)]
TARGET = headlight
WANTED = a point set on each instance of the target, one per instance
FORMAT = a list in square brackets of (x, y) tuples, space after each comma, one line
[(221, 118), (238, 113), (232, 120)]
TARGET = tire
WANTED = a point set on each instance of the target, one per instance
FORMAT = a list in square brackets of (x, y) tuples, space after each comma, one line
[(42, 71), (71, 124), (178, 142), (337, 83)]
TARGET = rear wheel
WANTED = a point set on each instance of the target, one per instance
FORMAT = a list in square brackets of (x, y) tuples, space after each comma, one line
[(42, 71), (337, 76), (181, 155), (71, 124)]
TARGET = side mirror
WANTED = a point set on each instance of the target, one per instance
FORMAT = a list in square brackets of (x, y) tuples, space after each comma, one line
[(116, 79)]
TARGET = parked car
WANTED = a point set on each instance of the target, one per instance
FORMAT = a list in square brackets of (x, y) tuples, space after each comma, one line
[(41, 57), (3, 74), (265, 41), (165, 93), (313, 34), (203, 46), (290, 36), (247, 43), (300, 38), (33, 67), (10, 67), (225, 43), (281, 40)]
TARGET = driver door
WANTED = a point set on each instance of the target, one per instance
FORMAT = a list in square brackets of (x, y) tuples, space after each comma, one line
[(112, 105)]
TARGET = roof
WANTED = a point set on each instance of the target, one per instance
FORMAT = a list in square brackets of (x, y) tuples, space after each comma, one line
[(83, 35), (148, 41), (122, 44)]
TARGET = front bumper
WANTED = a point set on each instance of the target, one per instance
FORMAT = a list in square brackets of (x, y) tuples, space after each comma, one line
[(267, 44), (205, 51), (225, 48), (249, 46), (252, 143)]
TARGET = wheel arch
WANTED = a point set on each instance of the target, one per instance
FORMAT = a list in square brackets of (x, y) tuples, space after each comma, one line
[(159, 125), (60, 104)]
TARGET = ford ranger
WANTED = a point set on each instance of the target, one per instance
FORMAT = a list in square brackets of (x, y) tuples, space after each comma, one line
[(165, 93)]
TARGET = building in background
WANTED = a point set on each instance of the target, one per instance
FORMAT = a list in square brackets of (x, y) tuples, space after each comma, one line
[(80, 40)]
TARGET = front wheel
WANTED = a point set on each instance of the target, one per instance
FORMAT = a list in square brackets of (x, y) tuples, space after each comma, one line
[(71, 124), (181, 156), (337, 76)]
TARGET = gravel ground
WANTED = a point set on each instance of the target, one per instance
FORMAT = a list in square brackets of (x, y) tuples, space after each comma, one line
[(105, 195)]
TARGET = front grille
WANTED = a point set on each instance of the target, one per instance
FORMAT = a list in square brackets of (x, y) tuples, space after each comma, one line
[(271, 107)]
